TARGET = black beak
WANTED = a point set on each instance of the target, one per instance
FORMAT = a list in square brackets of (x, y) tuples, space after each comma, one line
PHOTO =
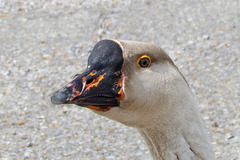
[(93, 89), (99, 87), (62, 96)]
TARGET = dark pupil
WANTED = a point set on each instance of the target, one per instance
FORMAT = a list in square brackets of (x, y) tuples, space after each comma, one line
[(144, 62)]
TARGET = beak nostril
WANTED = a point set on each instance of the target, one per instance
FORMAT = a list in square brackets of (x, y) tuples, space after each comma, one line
[(89, 81)]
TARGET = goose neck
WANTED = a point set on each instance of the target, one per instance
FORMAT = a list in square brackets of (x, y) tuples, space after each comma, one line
[(174, 142)]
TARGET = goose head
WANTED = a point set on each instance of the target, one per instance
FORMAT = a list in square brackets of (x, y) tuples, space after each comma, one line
[(137, 84), (133, 83)]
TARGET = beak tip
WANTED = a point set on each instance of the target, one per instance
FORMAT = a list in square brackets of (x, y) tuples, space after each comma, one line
[(59, 98)]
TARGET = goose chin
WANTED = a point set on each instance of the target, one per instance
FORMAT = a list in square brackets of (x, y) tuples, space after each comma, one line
[(97, 103)]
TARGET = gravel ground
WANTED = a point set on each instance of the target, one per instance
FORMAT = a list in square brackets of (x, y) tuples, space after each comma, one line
[(44, 43)]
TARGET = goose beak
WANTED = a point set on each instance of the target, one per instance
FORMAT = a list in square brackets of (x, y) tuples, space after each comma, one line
[(94, 90), (99, 87)]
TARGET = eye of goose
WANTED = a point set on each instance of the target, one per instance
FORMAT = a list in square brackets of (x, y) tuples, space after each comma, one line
[(144, 61)]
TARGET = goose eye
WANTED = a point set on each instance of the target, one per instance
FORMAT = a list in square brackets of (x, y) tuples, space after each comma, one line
[(144, 62)]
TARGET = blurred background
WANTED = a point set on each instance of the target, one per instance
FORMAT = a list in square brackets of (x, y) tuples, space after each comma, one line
[(43, 44)]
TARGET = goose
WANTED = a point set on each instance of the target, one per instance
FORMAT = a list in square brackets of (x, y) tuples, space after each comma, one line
[(138, 85)]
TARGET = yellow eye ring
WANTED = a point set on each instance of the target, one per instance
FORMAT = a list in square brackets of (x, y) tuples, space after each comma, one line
[(144, 61)]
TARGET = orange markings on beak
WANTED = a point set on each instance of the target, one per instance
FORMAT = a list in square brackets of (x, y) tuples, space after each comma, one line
[(93, 73), (86, 86), (121, 93), (70, 85), (77, 76), (75, 92), (95, 82), (99, 108)]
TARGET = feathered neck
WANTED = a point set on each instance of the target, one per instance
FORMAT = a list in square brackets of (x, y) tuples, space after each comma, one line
[(179, 134)]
